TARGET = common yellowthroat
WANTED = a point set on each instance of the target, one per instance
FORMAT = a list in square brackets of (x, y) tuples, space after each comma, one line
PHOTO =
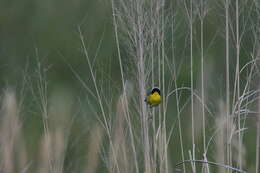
[(153, 98)]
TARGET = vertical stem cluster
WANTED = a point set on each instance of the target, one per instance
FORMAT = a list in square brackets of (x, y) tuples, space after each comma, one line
[(142, 22), (125, 102), (141, 84)]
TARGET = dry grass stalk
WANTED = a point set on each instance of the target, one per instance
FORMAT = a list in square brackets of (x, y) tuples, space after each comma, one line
[(10, 132), (257, 129), (45, 155), (220, 123), (119, 157), (221, 142), (257, 141), (96, 139)]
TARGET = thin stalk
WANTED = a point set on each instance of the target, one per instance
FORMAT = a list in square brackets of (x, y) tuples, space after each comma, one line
[(164, 100), (227, 79), (191, 80), (212, 163), (238, 85), (257, 5), (202, 15), (153, 84), (202, 75), (160, 84), (257, 145), (153, 111)]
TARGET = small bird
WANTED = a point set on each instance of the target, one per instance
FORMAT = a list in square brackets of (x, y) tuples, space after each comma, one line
[(153, 98)]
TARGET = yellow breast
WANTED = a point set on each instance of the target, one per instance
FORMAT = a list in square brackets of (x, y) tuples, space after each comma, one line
[(155, 99)]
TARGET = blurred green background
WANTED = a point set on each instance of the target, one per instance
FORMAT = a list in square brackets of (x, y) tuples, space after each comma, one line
[(52, 28)]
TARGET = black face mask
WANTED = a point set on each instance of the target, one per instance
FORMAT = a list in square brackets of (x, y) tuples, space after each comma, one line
[(156, 90)]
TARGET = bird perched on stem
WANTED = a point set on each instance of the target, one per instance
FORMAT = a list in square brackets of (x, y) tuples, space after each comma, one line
[(153, 98)]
